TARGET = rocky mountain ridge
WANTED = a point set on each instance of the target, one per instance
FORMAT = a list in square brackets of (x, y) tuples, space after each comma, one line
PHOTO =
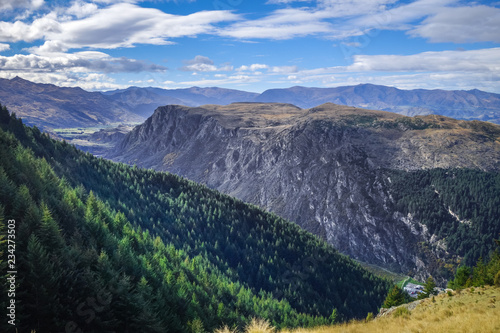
[(325, 168)]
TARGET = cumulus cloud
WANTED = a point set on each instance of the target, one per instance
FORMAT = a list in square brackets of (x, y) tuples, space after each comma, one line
[(82, 9), (77, 62), (4, 47), (461, 25), (90, 81), (203, 64), (117, 25), (20, 31), (13, 4), (252, 67)]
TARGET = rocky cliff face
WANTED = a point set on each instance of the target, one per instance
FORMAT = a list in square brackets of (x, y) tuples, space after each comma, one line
[(325, 168)]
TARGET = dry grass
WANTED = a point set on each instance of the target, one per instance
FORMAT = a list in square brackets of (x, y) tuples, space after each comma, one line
[(465, 312), (224, 329), (259, 326)]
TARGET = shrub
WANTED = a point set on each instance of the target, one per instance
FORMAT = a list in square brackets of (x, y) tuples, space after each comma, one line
[(402, 312), (196, 326), (369, 316), (259, 326), (496, 282), (224, 329)]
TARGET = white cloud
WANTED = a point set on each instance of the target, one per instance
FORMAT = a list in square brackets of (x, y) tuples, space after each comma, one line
[(281, 24), (117, 25), (436, 20), (125, 25), (327, 18), (49, 47), (483, 60), (427, 70), (461, 25), (92, 81), (4, 47), (441, 21), (81, 62), (13, 4), (203, 64), (252, 67), (284, 69), (20, 31), (82, 9)]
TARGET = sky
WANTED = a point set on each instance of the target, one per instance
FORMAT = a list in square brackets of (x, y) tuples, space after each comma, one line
[(252, 45)]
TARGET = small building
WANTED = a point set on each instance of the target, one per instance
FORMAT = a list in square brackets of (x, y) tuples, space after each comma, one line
[(413, 289)]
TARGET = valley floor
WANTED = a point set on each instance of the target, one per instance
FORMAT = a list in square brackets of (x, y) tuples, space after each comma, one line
[(471, 310)]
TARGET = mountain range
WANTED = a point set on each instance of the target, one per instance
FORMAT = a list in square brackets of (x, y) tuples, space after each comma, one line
[(381, 187), (51, 107)]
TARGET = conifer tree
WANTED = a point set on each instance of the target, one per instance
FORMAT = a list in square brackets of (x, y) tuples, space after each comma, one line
[(395, 297), (429, 288)]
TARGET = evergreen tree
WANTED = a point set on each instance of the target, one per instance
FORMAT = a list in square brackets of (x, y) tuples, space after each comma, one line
[(395, 297), (462, 275), (429, 288)]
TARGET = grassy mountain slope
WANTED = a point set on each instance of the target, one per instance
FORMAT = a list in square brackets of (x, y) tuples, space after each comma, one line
[(48, 106), (148, 251), (471, 310)]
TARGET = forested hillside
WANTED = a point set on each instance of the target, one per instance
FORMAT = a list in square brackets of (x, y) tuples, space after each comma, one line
[(460, 207), (102, 246)]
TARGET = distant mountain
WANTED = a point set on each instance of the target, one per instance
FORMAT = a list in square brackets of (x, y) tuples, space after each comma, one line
[(48, 106), (458, 104), (367, 181), (145, 100)]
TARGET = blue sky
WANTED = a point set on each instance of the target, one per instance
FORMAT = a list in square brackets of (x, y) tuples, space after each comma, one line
[(252, 45)]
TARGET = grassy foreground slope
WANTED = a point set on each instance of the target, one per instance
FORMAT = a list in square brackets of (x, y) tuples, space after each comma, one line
[(471, 310), (102, 247)]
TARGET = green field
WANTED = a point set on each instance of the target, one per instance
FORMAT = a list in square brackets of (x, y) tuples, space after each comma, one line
[(397, 278)]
